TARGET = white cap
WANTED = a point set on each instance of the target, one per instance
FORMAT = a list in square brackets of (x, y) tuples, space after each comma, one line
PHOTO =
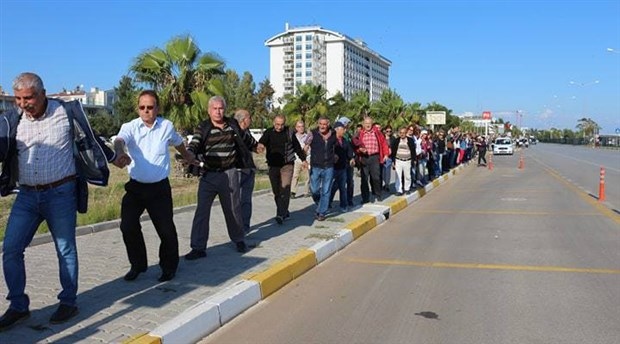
[(344, 120)]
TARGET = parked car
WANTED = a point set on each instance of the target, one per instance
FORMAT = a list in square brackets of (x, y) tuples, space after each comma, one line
[(503, 145)]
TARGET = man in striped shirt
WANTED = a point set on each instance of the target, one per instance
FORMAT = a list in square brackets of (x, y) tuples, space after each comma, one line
[(225, 148)]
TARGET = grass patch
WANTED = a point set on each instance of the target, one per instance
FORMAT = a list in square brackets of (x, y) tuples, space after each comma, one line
[(104, 203), (322, 236)]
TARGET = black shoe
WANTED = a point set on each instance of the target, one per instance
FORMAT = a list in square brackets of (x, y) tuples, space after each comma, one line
[(399, 194), (293, 195), (166, 276), (242, 247), (63, 313), (287, 215), (133, 274), (12, 317), (279, 219), (195, 254)]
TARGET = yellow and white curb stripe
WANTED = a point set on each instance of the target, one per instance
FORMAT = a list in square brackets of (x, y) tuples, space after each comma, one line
[(213, 312)]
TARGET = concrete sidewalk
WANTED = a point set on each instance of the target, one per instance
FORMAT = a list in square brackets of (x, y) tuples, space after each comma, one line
[(146, 311)]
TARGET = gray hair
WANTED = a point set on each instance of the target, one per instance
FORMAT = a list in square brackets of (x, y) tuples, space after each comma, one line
[(218, 99), (241, 114), (28, 80)]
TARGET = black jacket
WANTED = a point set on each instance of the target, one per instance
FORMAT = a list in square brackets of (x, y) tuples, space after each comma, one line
[(410, 143), (322, 152), (245, 143), (291, 148)]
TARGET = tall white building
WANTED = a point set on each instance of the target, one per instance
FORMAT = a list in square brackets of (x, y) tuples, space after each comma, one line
[(315, 55)]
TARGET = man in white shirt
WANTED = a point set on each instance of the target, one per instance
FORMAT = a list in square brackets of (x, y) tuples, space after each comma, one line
[(142, 145)]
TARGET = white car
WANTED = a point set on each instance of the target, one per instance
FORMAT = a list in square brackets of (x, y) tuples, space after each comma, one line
[(503, 145)]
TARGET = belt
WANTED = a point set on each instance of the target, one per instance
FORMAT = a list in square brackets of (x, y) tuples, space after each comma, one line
[(43, 187), (403, 159)]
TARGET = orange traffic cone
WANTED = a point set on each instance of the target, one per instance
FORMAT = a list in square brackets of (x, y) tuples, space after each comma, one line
[(601, 186)]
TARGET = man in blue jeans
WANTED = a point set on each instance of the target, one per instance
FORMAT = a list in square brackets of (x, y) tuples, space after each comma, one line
[(322, 143), (41, 158)]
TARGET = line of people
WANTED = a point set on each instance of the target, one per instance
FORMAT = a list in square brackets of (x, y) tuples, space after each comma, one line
[(40, 133)]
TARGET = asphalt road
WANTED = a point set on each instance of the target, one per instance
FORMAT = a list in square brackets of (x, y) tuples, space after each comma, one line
[(582, 165), (503, 256)]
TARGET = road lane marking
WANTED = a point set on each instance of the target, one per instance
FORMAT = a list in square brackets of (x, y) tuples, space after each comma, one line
[(446, 265), (506, 212), (584, 195)]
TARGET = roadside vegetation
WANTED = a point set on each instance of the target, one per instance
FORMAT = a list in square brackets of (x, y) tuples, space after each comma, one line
[(104, 203)]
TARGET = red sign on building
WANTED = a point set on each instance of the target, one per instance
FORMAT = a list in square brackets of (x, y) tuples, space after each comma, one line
[(486, 115)]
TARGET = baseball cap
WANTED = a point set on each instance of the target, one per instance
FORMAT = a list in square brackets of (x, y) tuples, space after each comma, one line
[(344, 120), (338, 125)]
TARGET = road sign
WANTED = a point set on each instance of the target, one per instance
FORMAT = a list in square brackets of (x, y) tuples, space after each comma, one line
[(436, 117), (486, 115)]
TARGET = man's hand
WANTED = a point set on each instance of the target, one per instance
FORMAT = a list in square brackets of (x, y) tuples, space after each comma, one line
[(304, 164), (190, 159), (122, 160), (362, 150), (352, 162), (260, 148)]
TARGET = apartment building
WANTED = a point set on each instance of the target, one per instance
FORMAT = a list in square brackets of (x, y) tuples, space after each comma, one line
[(312, 54)]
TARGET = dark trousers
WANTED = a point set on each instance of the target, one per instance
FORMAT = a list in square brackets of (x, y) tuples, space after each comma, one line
[(156, 198), (371, 172), (281, 178), (482, 156), (247, 177), (350, 185), (225, 185)]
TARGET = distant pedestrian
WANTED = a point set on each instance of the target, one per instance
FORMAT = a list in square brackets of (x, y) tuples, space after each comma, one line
[(281, 147), (322, 143), (247, 176), (39, 164), (481, 145), (142, 145), (225, 147), (403, 154), (344, 158), (387, 165), (299, 168), (348, 136), (372, 151)]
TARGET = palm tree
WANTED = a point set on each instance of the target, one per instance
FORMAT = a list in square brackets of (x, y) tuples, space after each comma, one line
[(308, 104), (360, 106), (389, 108), (588, 127), (183, 78)]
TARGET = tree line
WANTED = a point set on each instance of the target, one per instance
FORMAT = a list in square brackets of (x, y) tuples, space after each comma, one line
[(185, 78)]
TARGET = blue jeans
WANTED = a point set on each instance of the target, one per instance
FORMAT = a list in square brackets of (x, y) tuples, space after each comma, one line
[(57, 206), (321, 184)]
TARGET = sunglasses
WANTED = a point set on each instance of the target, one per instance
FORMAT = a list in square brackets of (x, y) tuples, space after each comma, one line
[(148, 107)]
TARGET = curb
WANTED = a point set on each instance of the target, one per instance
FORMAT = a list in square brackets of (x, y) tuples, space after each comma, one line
[(213, 312)]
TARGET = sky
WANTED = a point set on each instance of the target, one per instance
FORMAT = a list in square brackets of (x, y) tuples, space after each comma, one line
[(542, 63)]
